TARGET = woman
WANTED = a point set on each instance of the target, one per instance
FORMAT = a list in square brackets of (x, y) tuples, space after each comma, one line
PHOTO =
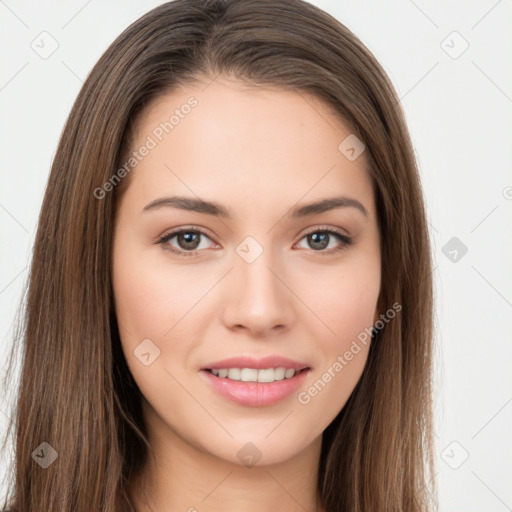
[(230, 303)]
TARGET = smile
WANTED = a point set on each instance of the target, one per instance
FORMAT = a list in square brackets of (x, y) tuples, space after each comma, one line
[(255, 388), (254, 374)]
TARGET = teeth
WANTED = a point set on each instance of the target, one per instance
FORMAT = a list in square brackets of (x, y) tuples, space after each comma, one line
[(279, 373), (254, 375), (234, 373), (289, 373)]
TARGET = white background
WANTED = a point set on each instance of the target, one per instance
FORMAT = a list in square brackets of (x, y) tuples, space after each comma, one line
[(459, 112)]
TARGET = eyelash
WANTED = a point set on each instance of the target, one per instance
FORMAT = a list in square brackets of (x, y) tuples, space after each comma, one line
[(344, 239)]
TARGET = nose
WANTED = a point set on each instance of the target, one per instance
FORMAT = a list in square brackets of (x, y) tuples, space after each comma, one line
[(258, 299)]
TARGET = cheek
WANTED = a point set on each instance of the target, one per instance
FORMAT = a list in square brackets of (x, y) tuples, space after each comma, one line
[(343, 299), (150, 300), (156, 301), (151, 304), (347, 304)]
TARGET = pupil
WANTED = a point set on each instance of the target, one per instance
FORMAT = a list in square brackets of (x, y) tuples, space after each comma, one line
[(319, 238), (191, 240)]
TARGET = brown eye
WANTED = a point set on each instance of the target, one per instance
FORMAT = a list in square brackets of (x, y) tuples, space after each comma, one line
[(187, 241), (318, 240)]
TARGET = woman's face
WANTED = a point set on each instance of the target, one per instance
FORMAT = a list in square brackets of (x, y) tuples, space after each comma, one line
[(259, 277)]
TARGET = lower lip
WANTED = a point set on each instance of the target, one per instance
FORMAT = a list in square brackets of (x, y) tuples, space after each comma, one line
[(255, 394)]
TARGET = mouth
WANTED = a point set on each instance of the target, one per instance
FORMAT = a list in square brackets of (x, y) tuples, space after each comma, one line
[(255, 383), (263, 375)]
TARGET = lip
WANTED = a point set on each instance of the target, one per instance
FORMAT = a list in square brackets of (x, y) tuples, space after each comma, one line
[(259, 364), (255, 394)]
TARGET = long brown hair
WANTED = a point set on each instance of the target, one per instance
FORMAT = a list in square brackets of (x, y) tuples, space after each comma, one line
[(76, 393)]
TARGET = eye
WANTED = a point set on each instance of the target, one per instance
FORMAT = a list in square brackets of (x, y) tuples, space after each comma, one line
[(321, 239), (188, 241)]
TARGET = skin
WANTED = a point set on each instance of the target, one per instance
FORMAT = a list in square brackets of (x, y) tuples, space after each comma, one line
[(259, 152)]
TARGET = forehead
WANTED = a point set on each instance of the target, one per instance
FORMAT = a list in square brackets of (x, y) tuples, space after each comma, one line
[(230, 141)]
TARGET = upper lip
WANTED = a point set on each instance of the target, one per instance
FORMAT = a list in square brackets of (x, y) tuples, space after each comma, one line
[(257, 363)]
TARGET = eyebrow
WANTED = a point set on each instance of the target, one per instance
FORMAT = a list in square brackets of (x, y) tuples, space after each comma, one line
[(215, 209)]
